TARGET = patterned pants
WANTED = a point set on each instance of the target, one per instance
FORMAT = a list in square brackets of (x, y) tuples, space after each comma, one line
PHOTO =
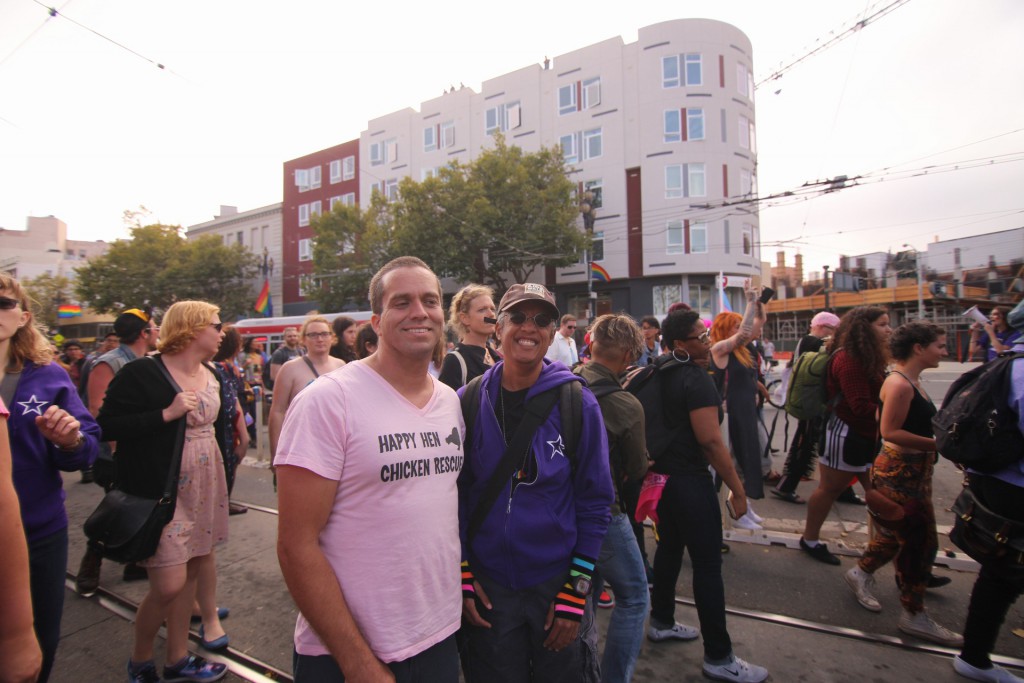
[(905, 478)]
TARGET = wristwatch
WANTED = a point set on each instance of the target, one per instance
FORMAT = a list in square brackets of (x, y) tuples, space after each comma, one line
[(79, 440), (582, 585)]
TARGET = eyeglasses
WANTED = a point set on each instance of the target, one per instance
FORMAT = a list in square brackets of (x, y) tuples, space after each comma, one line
[(217, 326), (520, 318), (570, 327), (318, 335), (704, 338), (6, 304)]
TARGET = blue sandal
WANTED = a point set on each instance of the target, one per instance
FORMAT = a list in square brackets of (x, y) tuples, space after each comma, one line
[(194, 668)]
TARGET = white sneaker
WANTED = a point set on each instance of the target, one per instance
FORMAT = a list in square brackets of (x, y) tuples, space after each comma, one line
[(677, 632), (739, 670), (863, 586), (746, 522), (753, 515), (993, 674), (922, 626)]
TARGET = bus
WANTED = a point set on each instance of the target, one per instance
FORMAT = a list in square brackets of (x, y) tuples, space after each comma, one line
[(271, 330)]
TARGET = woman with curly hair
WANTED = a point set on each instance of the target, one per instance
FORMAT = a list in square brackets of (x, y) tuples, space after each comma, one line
[(854, 379), (143, 412), (734, 368), (902, 473), (471, 309), (51, 431)]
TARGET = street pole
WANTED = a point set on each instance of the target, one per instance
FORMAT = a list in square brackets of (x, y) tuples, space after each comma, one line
[(589, 214), (825, 271), (920, 278)]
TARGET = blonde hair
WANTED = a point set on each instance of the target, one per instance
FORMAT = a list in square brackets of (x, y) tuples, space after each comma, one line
[(315, 319), (461, 302), (28, 343), (182, 322), (617, 331)]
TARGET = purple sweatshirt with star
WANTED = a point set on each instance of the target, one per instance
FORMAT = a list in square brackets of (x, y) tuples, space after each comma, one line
[(37, 463)]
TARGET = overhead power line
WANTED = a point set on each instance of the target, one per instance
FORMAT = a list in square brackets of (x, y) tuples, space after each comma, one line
[(835, 39)]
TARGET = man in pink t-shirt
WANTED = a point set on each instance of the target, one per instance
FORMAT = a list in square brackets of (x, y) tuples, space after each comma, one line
[(368, 536)]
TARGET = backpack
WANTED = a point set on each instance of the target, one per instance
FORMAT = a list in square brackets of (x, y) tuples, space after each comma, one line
[(807, 393), (268, 383), (975, 426), (649, 384)]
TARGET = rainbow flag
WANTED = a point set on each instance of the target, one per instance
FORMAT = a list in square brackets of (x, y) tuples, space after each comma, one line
[(264, 305), (69, 311), (599, 273)]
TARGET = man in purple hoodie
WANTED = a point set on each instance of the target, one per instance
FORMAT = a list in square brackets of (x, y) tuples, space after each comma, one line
[(528, 554)]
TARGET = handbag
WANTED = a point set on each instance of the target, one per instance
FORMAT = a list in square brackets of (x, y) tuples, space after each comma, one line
[(125, 527), (989, 538)]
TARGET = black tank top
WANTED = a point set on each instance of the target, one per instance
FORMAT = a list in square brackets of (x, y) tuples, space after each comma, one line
[(920, 414)]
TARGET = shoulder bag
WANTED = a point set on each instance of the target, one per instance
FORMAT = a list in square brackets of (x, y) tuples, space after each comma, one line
[(127, 528)]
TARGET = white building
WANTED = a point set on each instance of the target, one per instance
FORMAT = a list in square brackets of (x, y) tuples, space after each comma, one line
[(662, 130), (44, 248), (259, 231)]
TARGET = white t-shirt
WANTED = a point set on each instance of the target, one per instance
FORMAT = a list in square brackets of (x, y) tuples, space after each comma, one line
[(564, 349), (393, 535)]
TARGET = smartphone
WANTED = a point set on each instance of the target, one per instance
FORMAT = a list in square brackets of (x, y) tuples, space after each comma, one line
[(729, 508), (766, 294)]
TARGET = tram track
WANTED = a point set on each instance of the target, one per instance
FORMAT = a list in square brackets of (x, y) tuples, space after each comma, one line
[(253, 669)]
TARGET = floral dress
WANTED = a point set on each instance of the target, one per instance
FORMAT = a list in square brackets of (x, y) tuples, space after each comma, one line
[(201, 510)]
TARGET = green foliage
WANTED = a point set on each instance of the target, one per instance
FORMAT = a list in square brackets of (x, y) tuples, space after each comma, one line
[(47, 293), (341, 267), (159, 266)]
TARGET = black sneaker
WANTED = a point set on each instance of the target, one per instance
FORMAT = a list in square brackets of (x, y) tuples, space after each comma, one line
[(87, 476), (819, 552), (848, 496), (148, 674), (88, 579), (938, 581), (194, 668)]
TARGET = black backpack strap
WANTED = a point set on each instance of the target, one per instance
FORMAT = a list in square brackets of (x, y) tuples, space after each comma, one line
[(537, 411), (571, 405)]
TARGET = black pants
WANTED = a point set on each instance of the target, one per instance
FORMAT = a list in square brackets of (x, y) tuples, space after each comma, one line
[(994, 590), (802, 454), (439, 663), (48, 560)]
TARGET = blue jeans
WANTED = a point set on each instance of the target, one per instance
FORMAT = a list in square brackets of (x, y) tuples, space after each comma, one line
[(48, 562), (512, 650), (689, 518), (621, 566), (438, 663)]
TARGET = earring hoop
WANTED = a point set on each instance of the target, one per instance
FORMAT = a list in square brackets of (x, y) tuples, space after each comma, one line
[(674, 351)]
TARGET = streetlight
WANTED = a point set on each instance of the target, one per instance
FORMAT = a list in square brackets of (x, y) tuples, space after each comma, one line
[(589, 213)]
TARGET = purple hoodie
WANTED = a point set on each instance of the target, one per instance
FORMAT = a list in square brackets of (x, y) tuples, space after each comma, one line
[(37, 463), (530, 536)]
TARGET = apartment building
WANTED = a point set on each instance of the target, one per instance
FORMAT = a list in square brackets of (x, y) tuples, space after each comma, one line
[(661, 131)]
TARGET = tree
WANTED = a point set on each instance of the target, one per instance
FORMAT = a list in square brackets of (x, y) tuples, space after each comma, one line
[(47, 292), (342, 268), (157, 266)]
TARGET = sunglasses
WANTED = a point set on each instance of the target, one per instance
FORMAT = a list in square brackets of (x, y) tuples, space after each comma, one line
[(570, 327), (317, 335), (217, 326), (520, 318), (7, 304), (704, 338)]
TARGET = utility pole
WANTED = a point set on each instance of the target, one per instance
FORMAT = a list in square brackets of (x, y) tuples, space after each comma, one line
[(825, 272), (589, 214)]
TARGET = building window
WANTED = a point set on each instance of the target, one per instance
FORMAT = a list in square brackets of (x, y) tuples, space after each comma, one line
[(306, 249), (591, 92), (447, 136), (302, 179), (303, 215), (597, 246), (348, 168), (581, 146), (663, 296), (333, 202), (504, 117), (391, 189), (579, 95), (384, 152), (336, 171), (674, 182), (684, 180), (673, 130), (700, 299), (694, 124), (744, 81), (674, 243), (695, 178), (690, 74), (743, 132), (348, 199), (567, 100), (746, 182), (429, 138), (314, 209), (433, 172), (306, 284), (314, 177), (596, 187), (698, 238)]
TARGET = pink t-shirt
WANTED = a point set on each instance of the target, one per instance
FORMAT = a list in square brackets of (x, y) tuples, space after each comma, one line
[(393, 534)]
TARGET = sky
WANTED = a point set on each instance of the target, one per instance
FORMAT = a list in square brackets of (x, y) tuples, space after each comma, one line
[(924, 103)]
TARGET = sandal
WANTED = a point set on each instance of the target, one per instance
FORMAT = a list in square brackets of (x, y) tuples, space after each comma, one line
[(772, 477), (788, 496)]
